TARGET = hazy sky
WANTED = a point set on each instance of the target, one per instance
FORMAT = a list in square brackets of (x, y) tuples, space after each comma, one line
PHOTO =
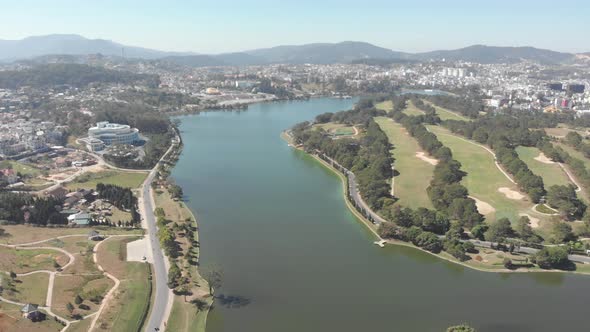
[(219, 26)]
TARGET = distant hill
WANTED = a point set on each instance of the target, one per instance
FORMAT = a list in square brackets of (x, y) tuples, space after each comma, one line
[(71, 45), (324, 53), (317, 53), (360, 52), (78, 75), (494, 54)]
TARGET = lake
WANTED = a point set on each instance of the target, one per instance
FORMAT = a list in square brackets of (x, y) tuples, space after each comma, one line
[(275, 221)]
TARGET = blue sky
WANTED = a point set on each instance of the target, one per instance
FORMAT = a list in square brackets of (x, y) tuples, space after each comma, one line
[(220, 26)]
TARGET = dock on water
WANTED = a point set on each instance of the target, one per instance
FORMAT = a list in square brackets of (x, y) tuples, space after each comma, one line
[(380, 243)]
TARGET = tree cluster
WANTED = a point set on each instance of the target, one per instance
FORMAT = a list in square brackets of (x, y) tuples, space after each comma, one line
[(368, 157), (71, 74), (120, 197), (469, 107), (24, 208), (552, 257), (564, 199)]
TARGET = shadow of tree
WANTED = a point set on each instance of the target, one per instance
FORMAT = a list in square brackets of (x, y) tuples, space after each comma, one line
[(232, 301)]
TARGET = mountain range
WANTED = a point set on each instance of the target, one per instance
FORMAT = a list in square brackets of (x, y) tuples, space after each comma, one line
[(317, 53)]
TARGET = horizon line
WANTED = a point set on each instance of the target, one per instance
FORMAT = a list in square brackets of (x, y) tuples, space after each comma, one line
[(287, 45)]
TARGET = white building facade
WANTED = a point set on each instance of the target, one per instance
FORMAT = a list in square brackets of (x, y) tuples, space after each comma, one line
[(113, 133)]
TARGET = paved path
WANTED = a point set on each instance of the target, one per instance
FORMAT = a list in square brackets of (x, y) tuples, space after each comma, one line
[(164, 298)]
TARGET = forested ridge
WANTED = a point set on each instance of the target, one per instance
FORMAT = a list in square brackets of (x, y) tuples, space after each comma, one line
[(76, 75)]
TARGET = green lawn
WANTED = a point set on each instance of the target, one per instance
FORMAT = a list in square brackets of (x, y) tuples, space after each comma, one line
[(336, 129), (414, 174), (483, 177), (123, 179), (445, 114), (574, 153), (20, 167), (385, 105), (29, 289), (412, 110), (544, 209), (185, 317), (29, 260), (11, 320), (552, 174), (344, 131), (126, 311)]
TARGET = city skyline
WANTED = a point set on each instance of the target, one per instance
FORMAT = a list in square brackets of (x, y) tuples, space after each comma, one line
[(205, 27)]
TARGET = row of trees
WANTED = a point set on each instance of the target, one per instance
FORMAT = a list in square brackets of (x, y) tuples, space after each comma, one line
[(446, 192), (576, 141), (469, 107)]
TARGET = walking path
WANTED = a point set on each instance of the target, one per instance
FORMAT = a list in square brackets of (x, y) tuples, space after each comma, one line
[(571, 177), (52, 274)]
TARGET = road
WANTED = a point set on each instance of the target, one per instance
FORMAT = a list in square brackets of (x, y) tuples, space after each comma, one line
[(160, 272), (162, 305), (531, 251), (354, 192)]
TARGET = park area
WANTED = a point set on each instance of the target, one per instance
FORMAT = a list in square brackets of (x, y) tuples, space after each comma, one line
[(414, 169), (539, 164), (410, 109), (445, 114), (337, 130), (119, 178), (185, 316), (130, 301), (496, 195), (60, 268)]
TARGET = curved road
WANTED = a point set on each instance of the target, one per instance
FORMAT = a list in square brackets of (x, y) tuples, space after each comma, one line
[(354, 192)]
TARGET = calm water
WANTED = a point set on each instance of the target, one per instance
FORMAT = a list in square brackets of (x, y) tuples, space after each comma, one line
[(275, 221)]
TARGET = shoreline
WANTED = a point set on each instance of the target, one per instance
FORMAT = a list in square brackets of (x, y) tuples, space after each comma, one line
[(285, 136), (182, 205)]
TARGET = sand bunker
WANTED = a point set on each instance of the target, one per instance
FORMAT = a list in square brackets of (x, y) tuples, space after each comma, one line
[(509, 193), (483, 207), (543, 158), (533, 221), (424, 157)]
